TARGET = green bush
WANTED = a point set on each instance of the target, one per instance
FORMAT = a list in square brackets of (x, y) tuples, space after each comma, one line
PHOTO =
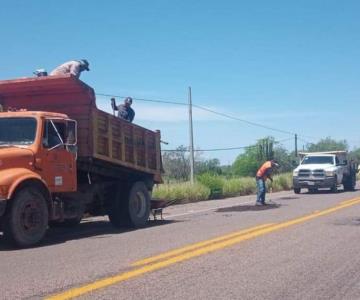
[(239, 186), (181, 192), (282, 182), (213, 182)]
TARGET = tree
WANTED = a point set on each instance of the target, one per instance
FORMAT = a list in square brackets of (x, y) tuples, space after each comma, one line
[(247, 164), (208, 166), (355, 155), (286, 160), (327, 144), (176, 164)]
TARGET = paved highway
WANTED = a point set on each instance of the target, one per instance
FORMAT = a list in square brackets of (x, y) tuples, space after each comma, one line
[(298, 247)]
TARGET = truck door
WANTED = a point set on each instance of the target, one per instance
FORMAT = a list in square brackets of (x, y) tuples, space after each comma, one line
[(59, 161)]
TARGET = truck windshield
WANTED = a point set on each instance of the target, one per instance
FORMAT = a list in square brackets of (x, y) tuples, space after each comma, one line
[(318, 160), (17, 131)]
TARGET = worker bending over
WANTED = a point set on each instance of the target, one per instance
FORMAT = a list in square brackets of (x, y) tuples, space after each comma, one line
[(73, 67), (262, 174)]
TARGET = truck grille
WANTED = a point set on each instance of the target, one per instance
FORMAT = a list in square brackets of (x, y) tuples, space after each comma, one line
[(304, 173), (319, 173)]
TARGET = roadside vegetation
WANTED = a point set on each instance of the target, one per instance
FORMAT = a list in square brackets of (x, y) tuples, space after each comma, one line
[(214, 181), (209, 186)]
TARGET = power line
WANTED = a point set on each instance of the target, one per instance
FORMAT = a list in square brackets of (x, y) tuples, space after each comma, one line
[(146, 100), (242, 120), (208, 150), (211, 111), (222, 149)]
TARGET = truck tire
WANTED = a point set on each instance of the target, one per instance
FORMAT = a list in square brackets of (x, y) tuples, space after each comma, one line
[(297, 190), (131, 208), (350, 183), (334, 188), (26, 221)]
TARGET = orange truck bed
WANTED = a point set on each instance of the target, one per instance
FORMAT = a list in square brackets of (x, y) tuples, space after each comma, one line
[(102, 137)]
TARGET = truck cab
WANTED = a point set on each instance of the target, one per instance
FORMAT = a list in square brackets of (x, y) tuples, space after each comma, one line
[(324, 170)]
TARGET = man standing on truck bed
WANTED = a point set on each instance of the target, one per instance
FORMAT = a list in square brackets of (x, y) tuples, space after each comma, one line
[(262, 174), (73, 67), (124, 110)]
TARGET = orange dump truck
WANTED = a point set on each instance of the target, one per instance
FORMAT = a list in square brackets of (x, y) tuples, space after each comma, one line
[(61, 157)]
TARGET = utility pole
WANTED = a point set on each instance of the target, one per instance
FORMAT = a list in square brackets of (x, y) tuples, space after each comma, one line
[(296, 145), (191, 147)]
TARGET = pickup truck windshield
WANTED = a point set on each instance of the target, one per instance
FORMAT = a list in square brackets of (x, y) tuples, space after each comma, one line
[(17, 131), (318, 160)]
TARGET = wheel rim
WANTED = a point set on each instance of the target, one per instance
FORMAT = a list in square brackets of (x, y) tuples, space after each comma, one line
[(139, 204), (31, 216)]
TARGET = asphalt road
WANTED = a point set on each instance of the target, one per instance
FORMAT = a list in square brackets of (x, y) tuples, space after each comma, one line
[(298, 247)]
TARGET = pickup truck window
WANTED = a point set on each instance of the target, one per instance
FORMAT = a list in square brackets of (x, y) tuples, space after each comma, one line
[(318, 160), (337, 161), (17, 131)]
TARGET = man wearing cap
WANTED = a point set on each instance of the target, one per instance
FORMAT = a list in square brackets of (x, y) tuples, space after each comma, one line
[(73, 67), (124, 110), (262, 174)]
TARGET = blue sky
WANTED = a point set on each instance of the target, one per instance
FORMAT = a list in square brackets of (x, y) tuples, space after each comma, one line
[(293, 65)]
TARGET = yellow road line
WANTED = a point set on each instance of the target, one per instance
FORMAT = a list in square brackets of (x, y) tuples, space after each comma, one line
[(195, 246), (102, 283), (350, 200)]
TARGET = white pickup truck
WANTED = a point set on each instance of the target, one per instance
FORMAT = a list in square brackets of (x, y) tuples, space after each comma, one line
[(324, 170)]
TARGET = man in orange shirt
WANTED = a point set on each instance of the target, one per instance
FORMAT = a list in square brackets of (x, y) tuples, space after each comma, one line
[(262, 174)]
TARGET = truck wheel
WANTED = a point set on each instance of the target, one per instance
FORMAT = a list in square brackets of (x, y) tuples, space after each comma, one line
[(297, 190), (353, 182), (350, 183), (26, 221), (139, 205), (131, 208), (334, 188)]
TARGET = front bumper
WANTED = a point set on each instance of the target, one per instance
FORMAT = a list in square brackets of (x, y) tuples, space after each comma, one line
[(2, 206), (327, 182)]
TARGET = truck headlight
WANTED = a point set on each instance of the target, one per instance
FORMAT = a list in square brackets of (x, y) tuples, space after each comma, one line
[(295, 173), (330, 173)]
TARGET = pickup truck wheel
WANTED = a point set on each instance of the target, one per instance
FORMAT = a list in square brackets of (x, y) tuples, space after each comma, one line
[(353, 182), (350, 183), (297, 190), (132, 207), (334, 188), (26, 221)]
